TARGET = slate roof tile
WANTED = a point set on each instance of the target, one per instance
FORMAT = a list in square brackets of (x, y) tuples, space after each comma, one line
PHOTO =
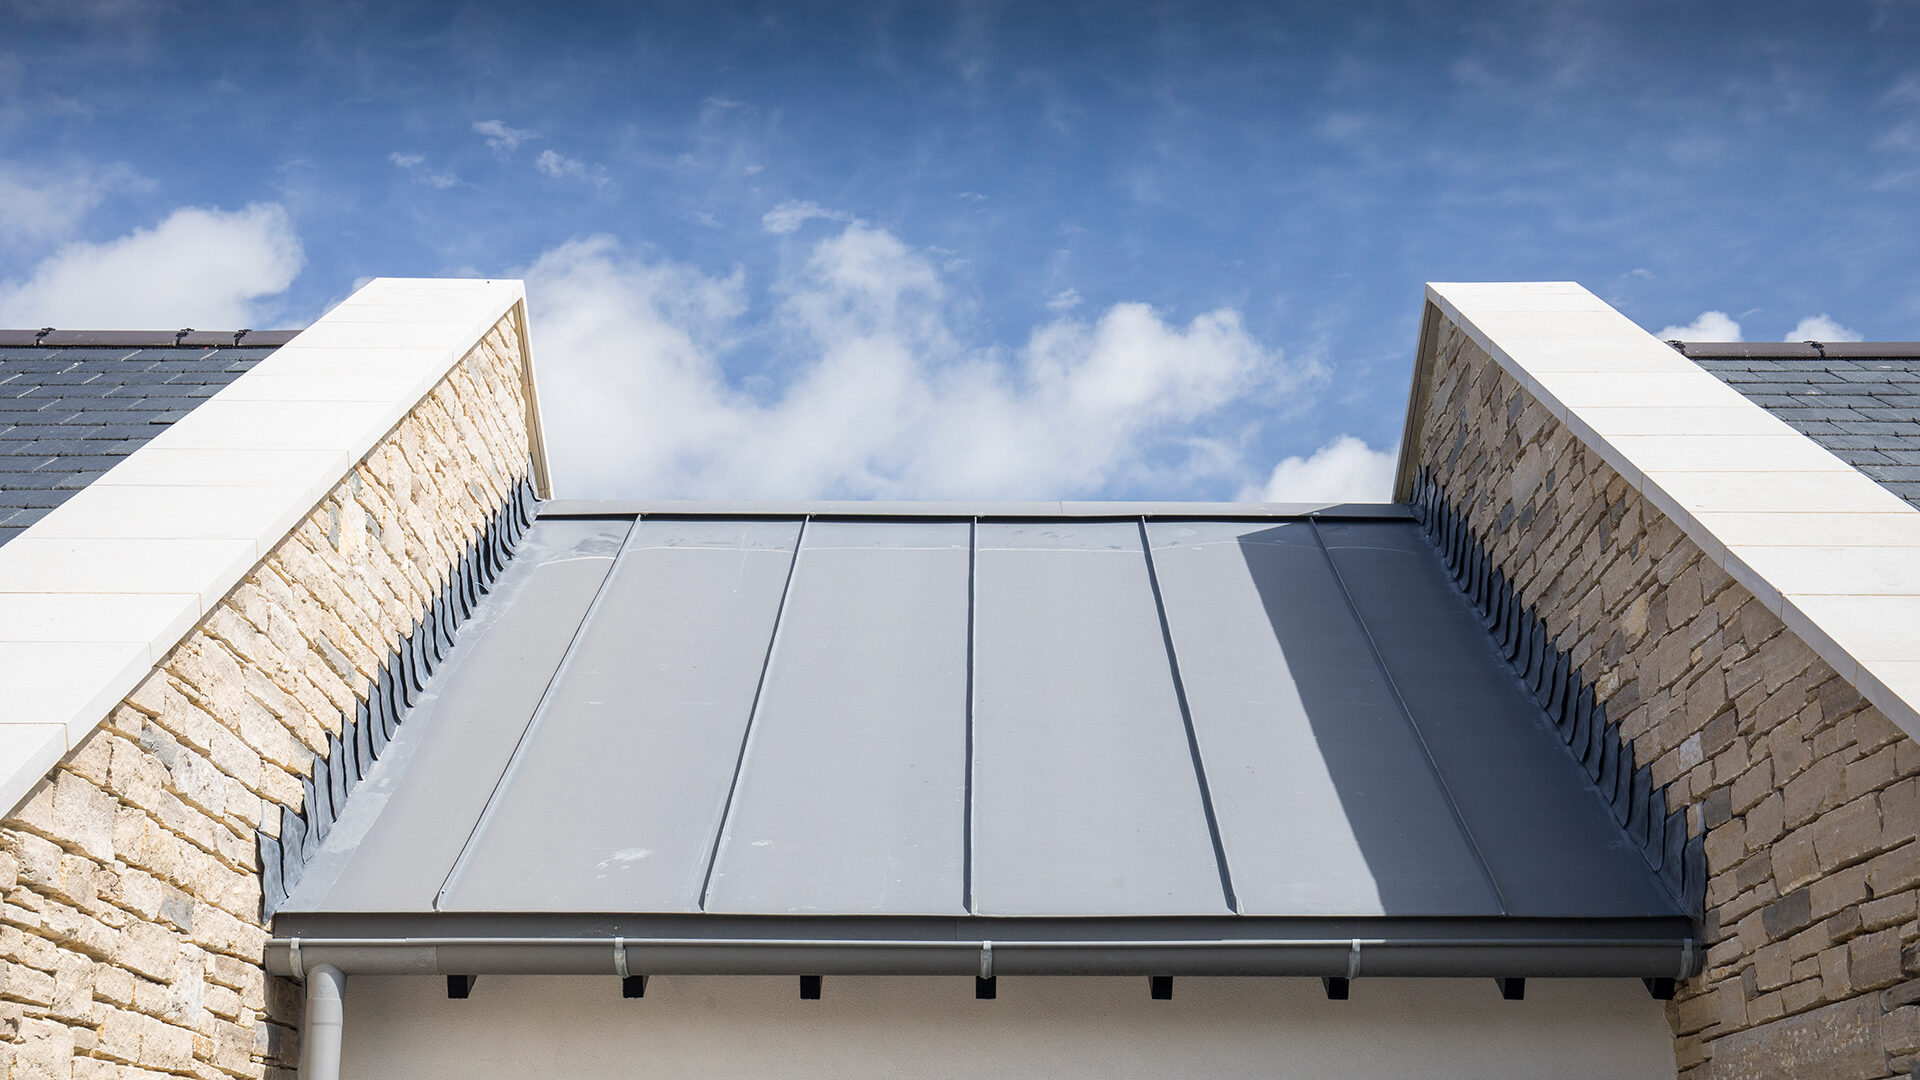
[(70, 413), (1865, 409)]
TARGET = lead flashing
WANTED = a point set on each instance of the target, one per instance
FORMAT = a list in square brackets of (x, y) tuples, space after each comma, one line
[(175, 526), (1781, 514)]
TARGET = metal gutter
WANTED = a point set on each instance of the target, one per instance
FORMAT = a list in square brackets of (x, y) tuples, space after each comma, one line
[(1325, 957)]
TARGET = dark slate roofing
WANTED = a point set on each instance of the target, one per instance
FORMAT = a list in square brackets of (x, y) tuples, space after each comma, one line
[(73, 403), (692, 719), (1860, 400)]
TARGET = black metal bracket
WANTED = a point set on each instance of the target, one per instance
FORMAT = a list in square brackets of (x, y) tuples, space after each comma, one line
[(985, 989), (460, 987), (809, 988), (1337, 988), (1513, 989), (1161, 987), (633, 986), (1661, 989)]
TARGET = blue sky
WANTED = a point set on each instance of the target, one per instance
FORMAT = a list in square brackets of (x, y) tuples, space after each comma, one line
[(928, 250)]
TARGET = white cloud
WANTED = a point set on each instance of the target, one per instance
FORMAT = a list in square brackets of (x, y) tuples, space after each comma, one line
[(36, 212), (790, 215), (1344, 470), (871, 392), (1064, 300), (501, 137), (560, 167), (1820, 328), (1710, 326), (199, 267), (415, 166)]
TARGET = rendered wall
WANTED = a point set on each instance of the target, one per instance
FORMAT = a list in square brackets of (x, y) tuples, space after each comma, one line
[(1807, 794), (131, 935), (1107, 1028)]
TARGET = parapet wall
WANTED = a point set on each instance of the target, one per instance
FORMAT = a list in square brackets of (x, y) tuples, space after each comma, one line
[(132, 930), (1808, 797)]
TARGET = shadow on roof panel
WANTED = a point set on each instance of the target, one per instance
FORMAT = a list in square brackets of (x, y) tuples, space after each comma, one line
[(1550, 841), (1325, 801)]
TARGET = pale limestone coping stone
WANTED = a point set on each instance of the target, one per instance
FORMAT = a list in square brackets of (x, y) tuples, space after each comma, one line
[(1822, 545), (96, 593)]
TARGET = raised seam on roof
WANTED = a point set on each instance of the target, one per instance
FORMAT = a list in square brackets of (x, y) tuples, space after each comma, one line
[(753, 714), (1413, 725), (1186, 721)]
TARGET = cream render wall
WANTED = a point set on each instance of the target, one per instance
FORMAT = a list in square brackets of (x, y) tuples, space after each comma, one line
[(1807, 793), (1099, 1028), (131, 929)]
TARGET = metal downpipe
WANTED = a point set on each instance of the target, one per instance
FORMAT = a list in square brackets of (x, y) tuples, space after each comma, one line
[(326, 1015)]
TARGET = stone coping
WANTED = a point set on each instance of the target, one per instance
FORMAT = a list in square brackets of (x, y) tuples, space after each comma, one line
[(96, 593), (1823, 546)]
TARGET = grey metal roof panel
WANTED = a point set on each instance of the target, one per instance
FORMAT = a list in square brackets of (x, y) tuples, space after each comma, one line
[(614, 799), (852, 794), (397, 842), (993, 721), (1326, 802), (1085, 796), (1548, 840)]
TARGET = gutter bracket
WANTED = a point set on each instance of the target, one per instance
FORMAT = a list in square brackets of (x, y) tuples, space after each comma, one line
[(620, 957), (293, 959), (1353, 961), (986, 959)]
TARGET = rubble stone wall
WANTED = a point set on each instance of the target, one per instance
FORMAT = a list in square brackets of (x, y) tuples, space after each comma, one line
[(1809, 797), (131, 932)]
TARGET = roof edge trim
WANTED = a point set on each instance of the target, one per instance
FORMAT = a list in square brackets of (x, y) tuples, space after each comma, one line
[(962, 510)]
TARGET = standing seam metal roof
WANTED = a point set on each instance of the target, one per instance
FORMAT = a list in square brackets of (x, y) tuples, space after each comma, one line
[(689, 720)]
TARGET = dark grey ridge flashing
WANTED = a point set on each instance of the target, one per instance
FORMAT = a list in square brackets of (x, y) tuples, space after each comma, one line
[(74, 403), (628, 763), (1570, 701), (390, 695), (1797, 350), (52, 338)]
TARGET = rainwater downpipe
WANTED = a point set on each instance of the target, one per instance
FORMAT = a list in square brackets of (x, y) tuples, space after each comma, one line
[(320, 1031)]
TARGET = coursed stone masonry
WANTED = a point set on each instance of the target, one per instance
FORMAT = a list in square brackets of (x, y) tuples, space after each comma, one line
[(131, 932), (1807, 796)]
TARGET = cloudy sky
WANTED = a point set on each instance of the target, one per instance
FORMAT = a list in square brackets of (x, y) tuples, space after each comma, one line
[(965, 250)]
